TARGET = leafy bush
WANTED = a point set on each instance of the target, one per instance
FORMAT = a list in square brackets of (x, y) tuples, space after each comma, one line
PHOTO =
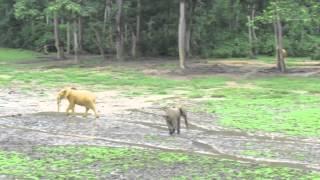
[(266, 44), (236, 47), (316, 54), (222, 52)]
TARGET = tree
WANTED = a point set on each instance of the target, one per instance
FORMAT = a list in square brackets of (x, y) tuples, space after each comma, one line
[(136, 34), (35, 29), (252, 29), (99, 41), (119, 35), (189, 24), (94, 20), (182, 34), (60, 50), (68, 38), (217, 28), (76, 40), (279, 12), (279, 42), (72, 9), (108, 14)]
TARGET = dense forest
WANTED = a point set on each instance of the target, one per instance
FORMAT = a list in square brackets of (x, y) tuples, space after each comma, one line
[(131, 28)]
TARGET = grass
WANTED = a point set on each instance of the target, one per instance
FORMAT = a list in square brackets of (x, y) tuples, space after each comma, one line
[(259, 154), (13, 55), (282, 104), (70, 162), (271, 59), (106, 79), (87, 77), (290, 61)]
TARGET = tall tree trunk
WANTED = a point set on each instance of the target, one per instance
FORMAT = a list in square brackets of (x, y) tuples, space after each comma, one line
[(68, 38), (276, 40), (107, 18), (188, 42), (237, 12), (80, 34), (182, 34), (47, 19), (134, 45), (56, 37), (279, 44), (126, 33), (136, 36), (253, 29), (251, 32), (189, 24), (75, 42), (32, 28), (251, 51), (119, 24), (98, 41), (106, 15)]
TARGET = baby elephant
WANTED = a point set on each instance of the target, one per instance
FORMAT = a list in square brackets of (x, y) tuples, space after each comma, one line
[(79, 97), (173, 117)]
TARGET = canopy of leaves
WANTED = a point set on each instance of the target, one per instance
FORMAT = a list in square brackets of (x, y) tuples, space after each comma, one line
[(218, 28)]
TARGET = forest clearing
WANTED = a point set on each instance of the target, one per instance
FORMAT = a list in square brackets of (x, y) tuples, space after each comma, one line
[(187, 89), (244, 121)]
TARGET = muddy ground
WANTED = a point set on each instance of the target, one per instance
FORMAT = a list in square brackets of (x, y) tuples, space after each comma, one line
[(26, 123), (28, 119)]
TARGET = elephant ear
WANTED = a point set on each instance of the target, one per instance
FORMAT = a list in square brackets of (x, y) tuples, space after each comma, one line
[(63, 93), (66, 92)]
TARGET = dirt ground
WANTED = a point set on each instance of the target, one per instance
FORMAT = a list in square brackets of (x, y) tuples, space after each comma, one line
[(137, 122)]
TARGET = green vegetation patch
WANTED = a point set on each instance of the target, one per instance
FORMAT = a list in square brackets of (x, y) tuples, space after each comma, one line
[(71, 162), (138, 83), (259, 154), (91, 77), (16, 55), (287, 105)]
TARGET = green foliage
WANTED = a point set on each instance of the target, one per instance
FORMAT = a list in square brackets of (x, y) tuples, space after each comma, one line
[(64, 5), (298, 19), (219, 28), (316, 48), (316, 54), (237, 47), (71, 162), (27, 9), (266, 43), (287, 10)]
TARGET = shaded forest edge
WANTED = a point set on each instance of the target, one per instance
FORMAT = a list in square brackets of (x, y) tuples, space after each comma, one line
[(185, 28)]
